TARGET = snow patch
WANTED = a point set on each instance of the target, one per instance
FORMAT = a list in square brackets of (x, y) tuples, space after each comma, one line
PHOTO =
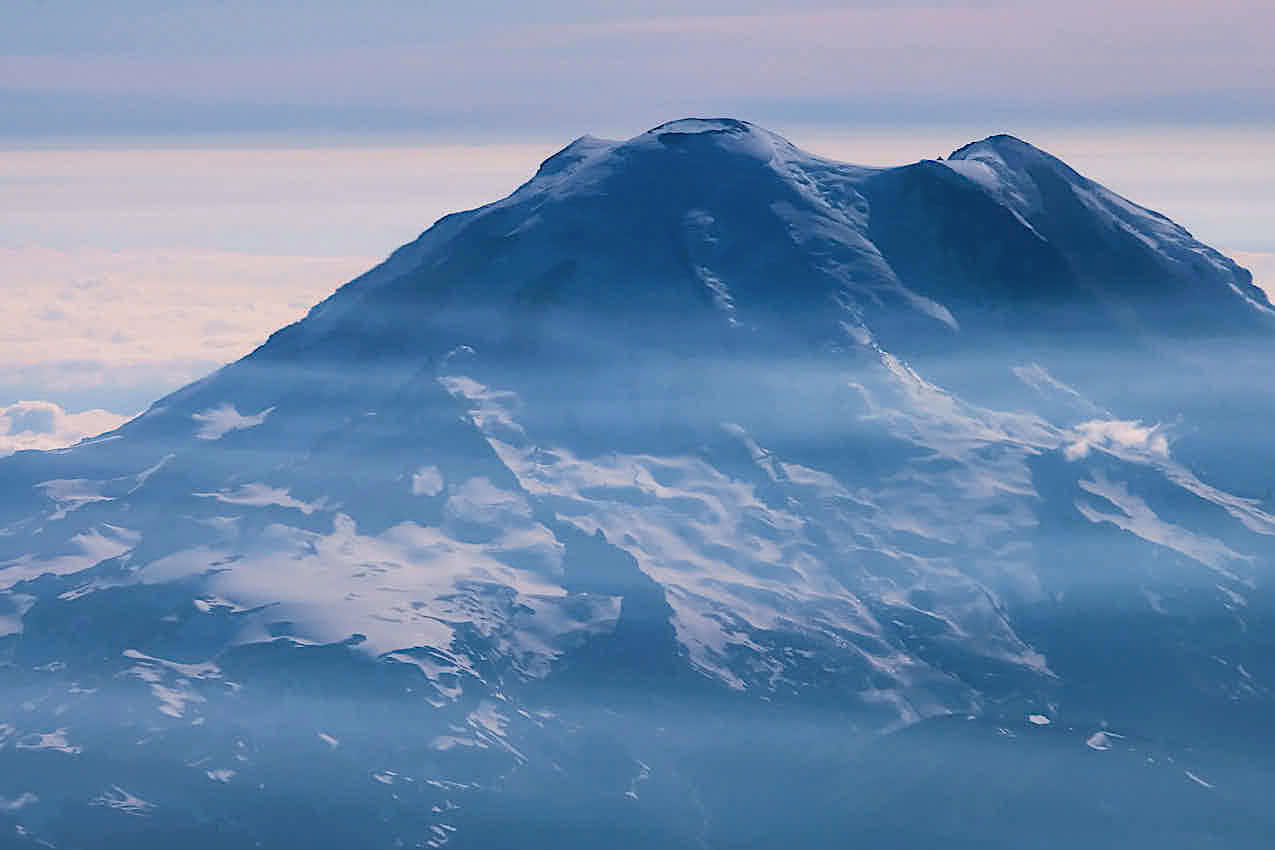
[(55, 741), (427, 481), (481, 502), (117, 798), (1115, 432), (26, 798), (71, 494), (94, 546), (258, 495), (1133, 515), (217, 422), (1198, 780)]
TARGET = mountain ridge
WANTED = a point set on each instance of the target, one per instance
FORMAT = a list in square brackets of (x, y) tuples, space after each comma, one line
[(823, 195)]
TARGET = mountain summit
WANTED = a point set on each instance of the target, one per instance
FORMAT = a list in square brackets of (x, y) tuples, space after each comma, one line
[(718, 229), (701, 493)]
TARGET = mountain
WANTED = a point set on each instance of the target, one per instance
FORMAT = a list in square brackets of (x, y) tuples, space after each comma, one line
[(701, 493)]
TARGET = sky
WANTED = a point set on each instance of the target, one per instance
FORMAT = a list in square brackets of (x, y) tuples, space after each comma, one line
[(496, 67), (181, 178)]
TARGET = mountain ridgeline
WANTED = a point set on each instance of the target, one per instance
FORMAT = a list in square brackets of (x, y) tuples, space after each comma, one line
[(701, 493), (718, 232)]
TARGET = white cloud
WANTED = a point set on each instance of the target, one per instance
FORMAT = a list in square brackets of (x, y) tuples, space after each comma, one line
[(169, 316), (130, 272), (44, 425)]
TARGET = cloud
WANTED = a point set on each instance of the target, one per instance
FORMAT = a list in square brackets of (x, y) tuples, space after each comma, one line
[(44, 425), (128, 273), (121, 329), (132, 308)]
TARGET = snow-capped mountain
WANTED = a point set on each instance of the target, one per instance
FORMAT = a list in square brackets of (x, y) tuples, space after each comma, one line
[(702, 493)]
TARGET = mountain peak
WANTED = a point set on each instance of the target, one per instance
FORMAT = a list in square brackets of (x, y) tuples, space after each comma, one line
[(1009, 154), (720, 130), (696, 126), (712, 226), (712, 136), (999, 141), (708, 137), (579, 150)]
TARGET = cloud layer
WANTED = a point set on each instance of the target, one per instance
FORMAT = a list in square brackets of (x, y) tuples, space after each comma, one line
[(120, 329), (129, 272), (44, 425)]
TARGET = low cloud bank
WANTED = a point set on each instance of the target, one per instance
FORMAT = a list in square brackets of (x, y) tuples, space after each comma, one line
[(44, 425)]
